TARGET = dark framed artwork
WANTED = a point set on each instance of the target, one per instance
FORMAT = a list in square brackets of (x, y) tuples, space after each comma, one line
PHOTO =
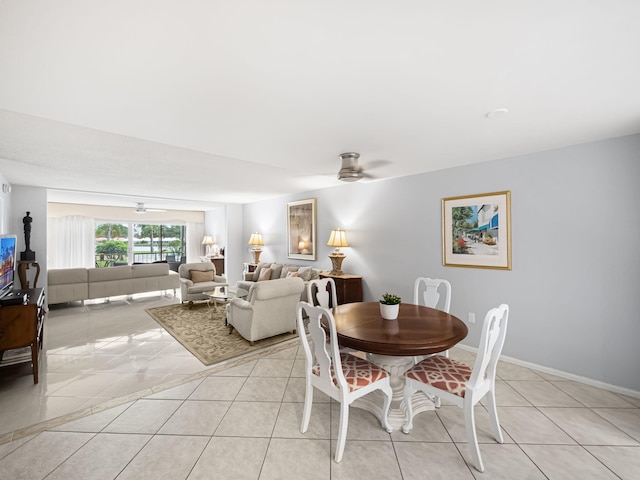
[(301, 229), (476, 231)]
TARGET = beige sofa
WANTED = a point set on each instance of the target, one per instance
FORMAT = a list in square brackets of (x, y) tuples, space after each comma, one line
[(269, 310), (192, 289), (80, 284), (280, 270)]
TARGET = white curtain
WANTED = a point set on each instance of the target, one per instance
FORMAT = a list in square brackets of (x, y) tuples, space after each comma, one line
[(195, 233), (71, 242)]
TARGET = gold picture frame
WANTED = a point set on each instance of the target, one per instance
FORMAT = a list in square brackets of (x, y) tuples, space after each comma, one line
[(476, 231), (301, 229)]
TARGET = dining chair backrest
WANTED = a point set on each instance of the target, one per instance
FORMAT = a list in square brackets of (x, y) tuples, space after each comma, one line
[(322, 292), (426, 291), (494, 331), (434, 293), (323, 352)]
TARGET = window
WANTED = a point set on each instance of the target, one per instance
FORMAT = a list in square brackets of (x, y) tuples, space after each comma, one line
[(153, 242), (122, 244), (112, 244)]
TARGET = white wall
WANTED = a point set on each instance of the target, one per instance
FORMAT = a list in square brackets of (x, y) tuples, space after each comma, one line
[(235, 244), (573, 289), (215, 224)]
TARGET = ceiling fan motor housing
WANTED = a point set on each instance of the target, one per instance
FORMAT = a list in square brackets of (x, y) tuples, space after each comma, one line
[(350, 171)]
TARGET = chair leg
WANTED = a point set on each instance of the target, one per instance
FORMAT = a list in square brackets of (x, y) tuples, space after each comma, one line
[(308, 403), (493, 416), (408, 393), (342, 430), (472, 438)]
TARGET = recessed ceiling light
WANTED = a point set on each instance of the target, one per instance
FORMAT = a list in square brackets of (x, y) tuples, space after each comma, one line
[(496, 112)]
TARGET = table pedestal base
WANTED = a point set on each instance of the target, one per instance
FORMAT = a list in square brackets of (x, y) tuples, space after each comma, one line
[(373, 402)]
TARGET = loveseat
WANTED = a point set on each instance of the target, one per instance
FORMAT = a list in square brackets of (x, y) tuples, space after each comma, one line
[(269, 310), (274, 271), (197, 278), (73, 284)]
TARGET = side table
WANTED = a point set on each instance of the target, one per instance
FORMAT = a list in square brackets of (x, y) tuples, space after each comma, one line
[(250, 267), (348, 287), (23, 266), (218, 262)]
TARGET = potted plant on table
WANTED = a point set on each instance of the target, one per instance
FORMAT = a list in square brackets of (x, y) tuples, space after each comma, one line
[(389, 306)]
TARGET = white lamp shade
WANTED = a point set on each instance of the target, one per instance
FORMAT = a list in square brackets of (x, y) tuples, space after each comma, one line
[(256, 239), (338, 238), (207, 240)]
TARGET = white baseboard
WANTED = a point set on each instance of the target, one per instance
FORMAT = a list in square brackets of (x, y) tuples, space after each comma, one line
[(559, 373)]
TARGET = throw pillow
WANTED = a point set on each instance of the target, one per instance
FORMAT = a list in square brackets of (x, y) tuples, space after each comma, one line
[(305, 273), (315, 274), (265, 274), (292, 274), (286, 269), (198, 276), (276, 270), (261, 266)]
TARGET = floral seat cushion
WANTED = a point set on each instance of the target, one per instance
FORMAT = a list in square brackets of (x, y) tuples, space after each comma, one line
[(443, 373), (358, 372)]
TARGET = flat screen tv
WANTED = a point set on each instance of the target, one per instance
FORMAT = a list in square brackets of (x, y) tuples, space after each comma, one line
[(7, 263)]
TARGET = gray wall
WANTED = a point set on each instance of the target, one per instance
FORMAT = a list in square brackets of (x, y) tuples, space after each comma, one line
[(573, 289)]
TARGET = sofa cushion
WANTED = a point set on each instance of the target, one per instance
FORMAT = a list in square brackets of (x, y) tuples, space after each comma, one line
[(265, 274), (292, 274), (276, 270), (149, 270), (198, 276), (288, 268), (256, 273), (108, 274), (65, 276), (305, 273)]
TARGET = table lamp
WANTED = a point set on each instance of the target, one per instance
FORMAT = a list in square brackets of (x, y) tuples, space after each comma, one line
[(207, 241), (256, 241), (337, 239)]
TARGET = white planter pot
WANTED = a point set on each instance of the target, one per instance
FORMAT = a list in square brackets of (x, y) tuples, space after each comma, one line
[(389, 312)]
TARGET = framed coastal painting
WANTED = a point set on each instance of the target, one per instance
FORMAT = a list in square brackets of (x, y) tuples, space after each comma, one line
[(476, 231), (301, 229)]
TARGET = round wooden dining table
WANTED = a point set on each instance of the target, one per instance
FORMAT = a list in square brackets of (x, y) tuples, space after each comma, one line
[(393, 344)]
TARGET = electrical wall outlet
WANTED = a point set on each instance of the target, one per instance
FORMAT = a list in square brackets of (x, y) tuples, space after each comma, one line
[(472, 317)]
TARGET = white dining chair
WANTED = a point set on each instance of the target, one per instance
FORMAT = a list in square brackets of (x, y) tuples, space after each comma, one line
[(342, 376), (322, 292), (462, 385), (427, 292)]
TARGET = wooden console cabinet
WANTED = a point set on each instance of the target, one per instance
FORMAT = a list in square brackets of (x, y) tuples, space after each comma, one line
[(348, 287), (23, 326), (218, 262)]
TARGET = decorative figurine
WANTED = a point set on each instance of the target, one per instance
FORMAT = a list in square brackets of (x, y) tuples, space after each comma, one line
[(28, 254)]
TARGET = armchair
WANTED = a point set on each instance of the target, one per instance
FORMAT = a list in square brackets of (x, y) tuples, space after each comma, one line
[(193, 285), (269, 310)]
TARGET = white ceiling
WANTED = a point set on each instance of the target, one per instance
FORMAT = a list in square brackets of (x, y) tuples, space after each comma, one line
[(237, 101)]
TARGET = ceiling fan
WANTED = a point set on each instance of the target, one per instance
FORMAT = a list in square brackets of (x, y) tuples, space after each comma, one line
[(351, 171), (140, 208)]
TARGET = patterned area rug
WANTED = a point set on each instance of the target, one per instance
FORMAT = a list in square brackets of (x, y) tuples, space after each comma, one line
[(202, 331)]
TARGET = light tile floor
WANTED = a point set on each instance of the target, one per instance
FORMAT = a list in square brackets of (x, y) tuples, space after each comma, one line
[(170, 417)]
